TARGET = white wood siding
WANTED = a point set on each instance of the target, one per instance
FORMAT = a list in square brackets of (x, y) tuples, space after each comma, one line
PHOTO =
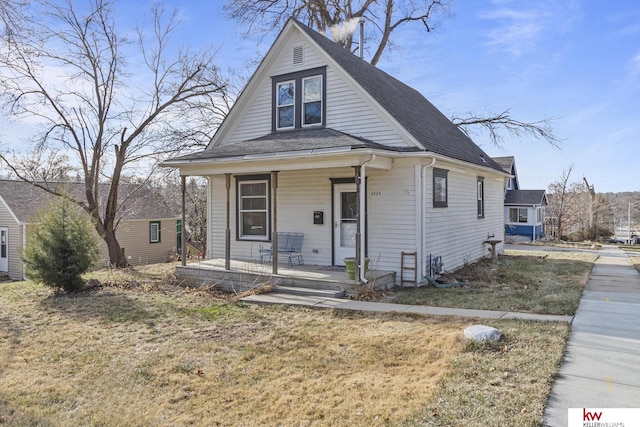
[(300, 193), (455, 232), (392, 228), (347, 110)]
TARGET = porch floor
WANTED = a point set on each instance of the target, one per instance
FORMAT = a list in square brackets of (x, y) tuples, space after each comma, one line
[(246, 274)]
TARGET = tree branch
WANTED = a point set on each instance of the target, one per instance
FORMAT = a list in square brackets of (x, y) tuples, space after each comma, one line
[(496, 125)]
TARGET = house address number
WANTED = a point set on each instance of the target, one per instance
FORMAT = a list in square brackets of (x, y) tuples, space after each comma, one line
[(375, 193)]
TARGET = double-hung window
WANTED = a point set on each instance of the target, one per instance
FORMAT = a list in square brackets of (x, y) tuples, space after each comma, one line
[(480, 186), (286, 94), (253, 208), (299, 100), (311, 101)]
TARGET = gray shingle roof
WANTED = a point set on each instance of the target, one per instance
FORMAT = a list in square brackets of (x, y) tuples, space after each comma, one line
[(414, 112), (505, 163), (25, 199), (290, 142), (524, 197)]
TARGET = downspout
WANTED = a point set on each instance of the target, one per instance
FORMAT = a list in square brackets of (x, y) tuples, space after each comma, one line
[(422, 227), (362, 216)]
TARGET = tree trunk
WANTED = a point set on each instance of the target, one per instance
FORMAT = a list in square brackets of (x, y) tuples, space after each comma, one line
[(117, 257)]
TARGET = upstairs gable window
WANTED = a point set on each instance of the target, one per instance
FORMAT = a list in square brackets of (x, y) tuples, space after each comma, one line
[(299, 100), (286, 92), (312, 101)]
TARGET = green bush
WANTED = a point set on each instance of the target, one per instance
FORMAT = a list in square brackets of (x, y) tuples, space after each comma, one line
[(61, 248)]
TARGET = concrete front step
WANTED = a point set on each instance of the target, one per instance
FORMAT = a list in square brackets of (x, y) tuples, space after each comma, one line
[(295, 290)]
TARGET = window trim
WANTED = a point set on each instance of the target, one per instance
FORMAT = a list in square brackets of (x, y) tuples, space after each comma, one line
[(517, 221), (298, 107), (303, 103), (159, 231), (278, 106), (480, 196), (443, 174), (244, 179)]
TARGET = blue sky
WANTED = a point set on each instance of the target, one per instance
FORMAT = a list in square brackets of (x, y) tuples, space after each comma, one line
[(576, 62)]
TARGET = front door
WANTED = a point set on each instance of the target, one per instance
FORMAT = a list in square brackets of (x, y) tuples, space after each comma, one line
[(345, 210), (4, 250)]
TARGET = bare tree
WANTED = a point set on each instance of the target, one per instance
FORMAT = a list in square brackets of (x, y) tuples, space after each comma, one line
[(384, 16), (564, 201), (113, 106)]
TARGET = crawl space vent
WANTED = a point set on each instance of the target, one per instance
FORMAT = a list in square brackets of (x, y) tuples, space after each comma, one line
[(298, 55)]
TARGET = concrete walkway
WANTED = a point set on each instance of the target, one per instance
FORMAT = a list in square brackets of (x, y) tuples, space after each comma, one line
[(351, 305), (601, 368)]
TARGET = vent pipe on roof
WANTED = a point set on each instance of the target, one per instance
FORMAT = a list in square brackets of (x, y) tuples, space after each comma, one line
[(361, 46)]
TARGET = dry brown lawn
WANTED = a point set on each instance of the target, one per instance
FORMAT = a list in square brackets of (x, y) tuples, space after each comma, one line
[(138, 351), (543, 282)]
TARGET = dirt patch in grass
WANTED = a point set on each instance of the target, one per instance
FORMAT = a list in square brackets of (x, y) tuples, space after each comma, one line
[(154, 354), (532, 282)]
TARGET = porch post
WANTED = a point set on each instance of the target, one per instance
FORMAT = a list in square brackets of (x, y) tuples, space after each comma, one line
[(183, 234), (227, 232), (358, 219), (274, 238)]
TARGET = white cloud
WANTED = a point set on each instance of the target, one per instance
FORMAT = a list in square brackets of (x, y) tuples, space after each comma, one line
[(521, 25)]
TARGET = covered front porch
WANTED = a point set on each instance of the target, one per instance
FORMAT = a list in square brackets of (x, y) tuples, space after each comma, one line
[(262, 189), (243, 275)]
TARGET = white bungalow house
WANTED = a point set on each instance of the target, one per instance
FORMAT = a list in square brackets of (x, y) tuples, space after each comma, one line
[(322, 143), (524, 210)]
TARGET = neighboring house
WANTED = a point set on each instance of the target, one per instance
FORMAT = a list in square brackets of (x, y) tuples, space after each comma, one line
[(319, 138), (524, 210), (147, 228)]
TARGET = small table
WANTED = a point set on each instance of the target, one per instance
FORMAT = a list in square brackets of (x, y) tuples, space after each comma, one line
[(493, 244)]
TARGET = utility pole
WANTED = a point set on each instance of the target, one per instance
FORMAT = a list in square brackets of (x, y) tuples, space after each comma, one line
[(592, 199)]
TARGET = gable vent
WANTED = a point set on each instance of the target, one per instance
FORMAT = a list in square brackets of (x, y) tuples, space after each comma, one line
[(298, 55)]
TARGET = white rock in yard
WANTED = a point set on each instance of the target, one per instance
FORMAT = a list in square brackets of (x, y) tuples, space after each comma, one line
[(480, 333)]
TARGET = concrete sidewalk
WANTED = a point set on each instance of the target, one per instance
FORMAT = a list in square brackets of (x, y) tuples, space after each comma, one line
[(601, 365), (381, 307)]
